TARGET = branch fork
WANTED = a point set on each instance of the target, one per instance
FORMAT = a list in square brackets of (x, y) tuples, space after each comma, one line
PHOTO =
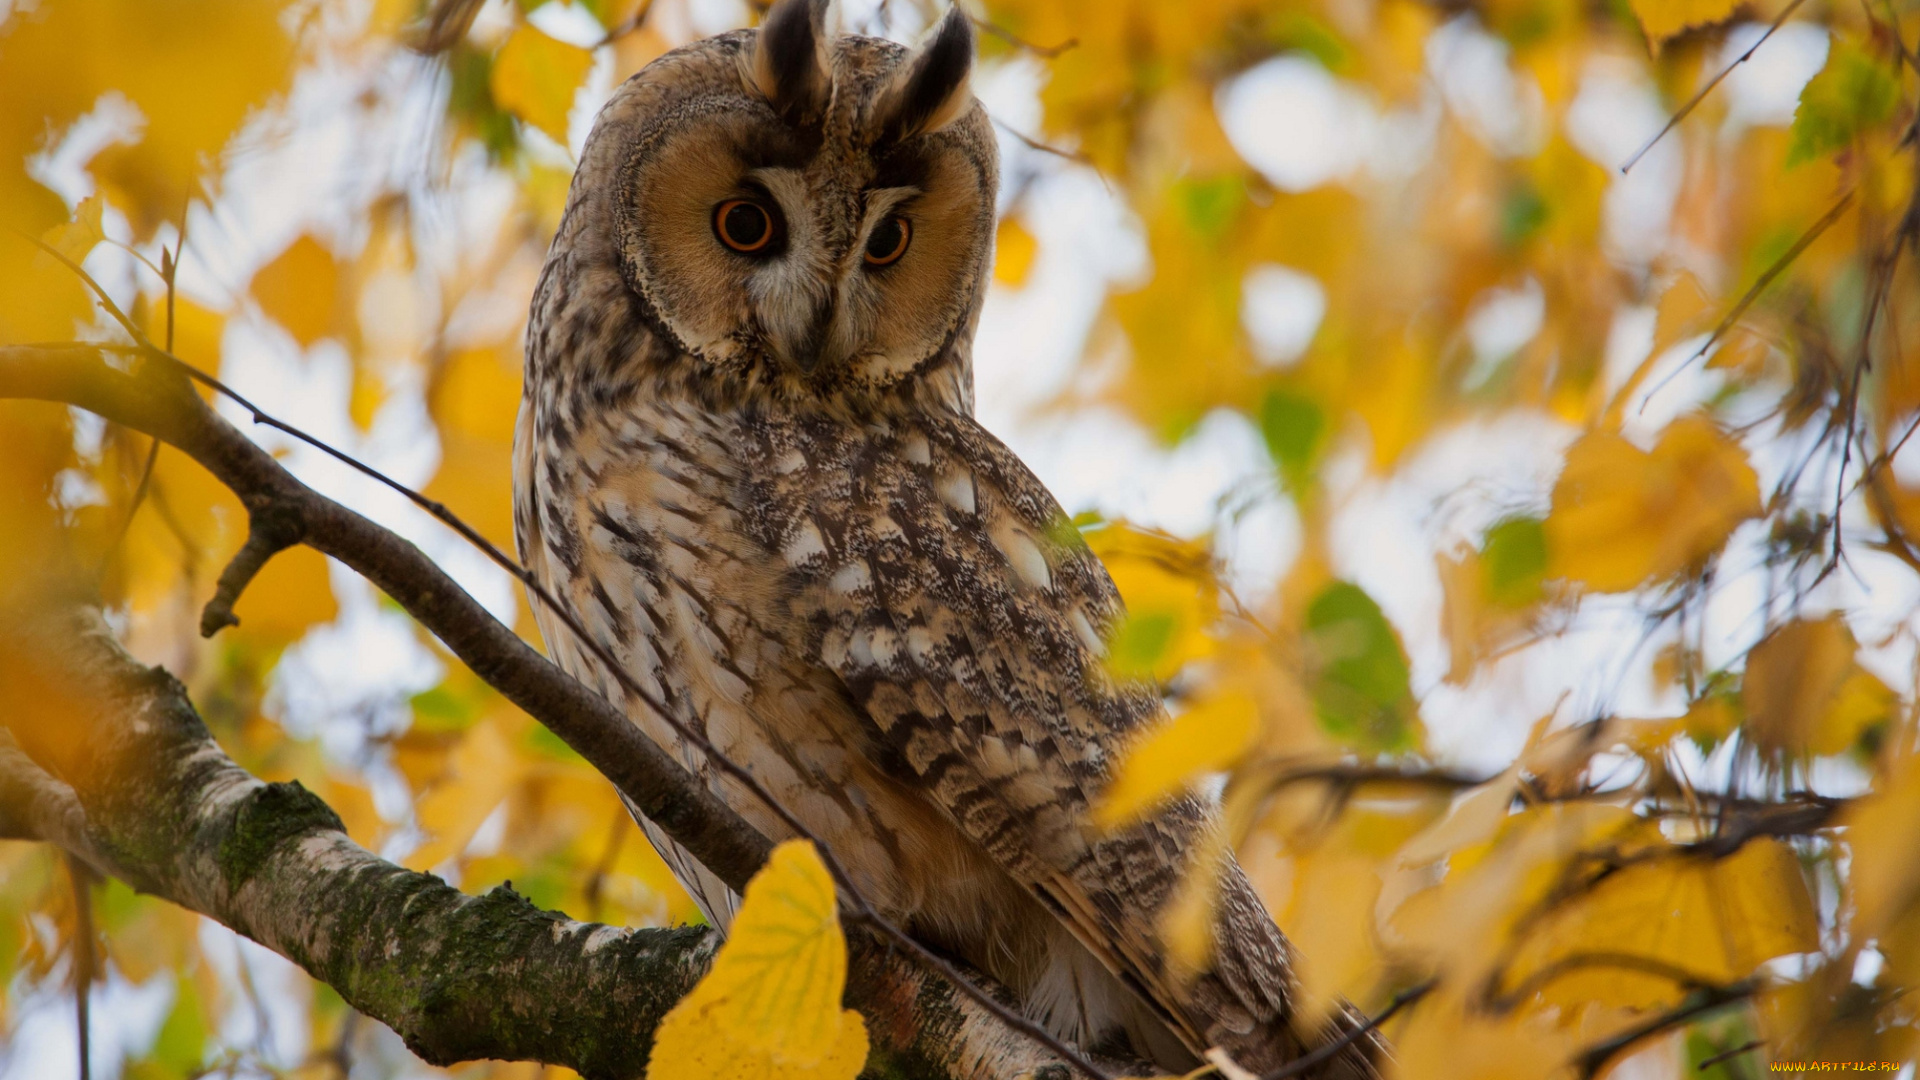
[(272, 527)]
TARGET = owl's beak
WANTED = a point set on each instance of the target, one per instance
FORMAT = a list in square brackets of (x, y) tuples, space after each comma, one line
[(805, 344)]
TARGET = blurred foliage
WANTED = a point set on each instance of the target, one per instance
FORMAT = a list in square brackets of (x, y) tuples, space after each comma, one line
[(1612, 876)]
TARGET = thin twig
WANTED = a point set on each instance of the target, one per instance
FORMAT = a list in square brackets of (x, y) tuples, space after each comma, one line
[(1728, 1055), (862, 910), (1701, 95), (168, 269), (269, 532), (1400, 1001), (1759, 286), (633, 22), (83, 961), (446, 25), (1045, 148), (1596, 1058), (133, 508), (1045, 52)]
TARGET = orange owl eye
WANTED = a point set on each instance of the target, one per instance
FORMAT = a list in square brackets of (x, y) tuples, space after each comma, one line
[(744, 226), (888, 241)]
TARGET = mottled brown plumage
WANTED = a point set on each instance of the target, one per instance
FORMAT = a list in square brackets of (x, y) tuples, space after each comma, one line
[(757, 479)]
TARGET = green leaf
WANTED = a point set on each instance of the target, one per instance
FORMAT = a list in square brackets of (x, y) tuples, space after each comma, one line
[(1298, 30), (542, 740), (470, 102), (440, 709), (1852, 93), (1140, 641), (1292, 426), (1522, 213), (1211, 205), (1363, 695), (1513, 555), (182, 1043)]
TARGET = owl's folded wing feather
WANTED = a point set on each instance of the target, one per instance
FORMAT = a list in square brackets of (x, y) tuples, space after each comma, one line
[(966, 620)]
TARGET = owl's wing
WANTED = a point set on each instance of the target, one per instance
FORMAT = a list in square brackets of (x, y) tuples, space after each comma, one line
[(949, 593)]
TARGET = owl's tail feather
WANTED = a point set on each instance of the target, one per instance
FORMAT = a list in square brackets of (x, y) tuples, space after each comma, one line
[(1242, 1003), (1245, 998), (715, 900)]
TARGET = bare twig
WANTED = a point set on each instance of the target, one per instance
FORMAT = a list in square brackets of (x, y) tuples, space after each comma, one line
[(1596, 1058), (1729, 1055), (446, 25), (270, 530), (1045, 52), (1759, 286), (83, 961), (1583, 961), (1701, 95), (1045, 148), (1400, 1001)]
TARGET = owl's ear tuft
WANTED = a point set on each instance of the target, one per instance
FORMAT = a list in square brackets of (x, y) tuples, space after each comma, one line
[(930, 90), (790, 66)]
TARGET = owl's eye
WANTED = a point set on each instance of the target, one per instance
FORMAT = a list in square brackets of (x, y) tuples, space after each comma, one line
[(888, 241), (743, 225)]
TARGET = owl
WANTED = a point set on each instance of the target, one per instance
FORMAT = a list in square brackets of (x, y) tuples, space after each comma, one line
[(746, 457)]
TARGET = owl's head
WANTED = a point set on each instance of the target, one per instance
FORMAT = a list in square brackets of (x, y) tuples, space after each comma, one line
[(798, 210)]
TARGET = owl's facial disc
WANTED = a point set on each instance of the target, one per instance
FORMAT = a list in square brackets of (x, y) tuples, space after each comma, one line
[(832, 217)]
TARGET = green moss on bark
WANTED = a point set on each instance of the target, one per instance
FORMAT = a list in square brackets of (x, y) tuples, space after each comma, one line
[(274, 815)]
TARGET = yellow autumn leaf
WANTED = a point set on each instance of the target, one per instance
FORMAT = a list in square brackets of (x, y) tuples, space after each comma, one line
[(193, 75), (535, 77), (480, 772), (1466, 921), (197, 334), (474, 398), (1882, 831), (1445, 1038), (1626, 941), (1472, 820), (1804, 693), (291, 593), (1167, 586), (770, 1005), (77, 237), (1663, 19), (1711, 719), (1335, 941), (1477, 608), (1685, 310), (1622, 516), (1013, 251), (1209, 736), (300, 289)]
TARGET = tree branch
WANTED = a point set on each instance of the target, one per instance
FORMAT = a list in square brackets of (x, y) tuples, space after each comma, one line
[(108, 760)]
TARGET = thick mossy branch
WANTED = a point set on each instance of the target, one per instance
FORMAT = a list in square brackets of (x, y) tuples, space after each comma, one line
[(459, 977)]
